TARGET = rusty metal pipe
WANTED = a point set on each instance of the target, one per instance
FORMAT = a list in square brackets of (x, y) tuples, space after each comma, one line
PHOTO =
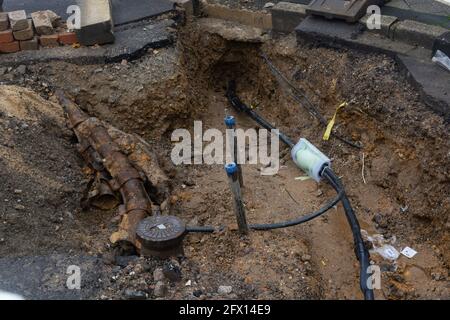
[(126, 177)]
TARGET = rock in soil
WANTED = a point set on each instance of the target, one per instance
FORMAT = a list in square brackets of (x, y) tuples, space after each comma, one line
[(224, 289), (160, 289)]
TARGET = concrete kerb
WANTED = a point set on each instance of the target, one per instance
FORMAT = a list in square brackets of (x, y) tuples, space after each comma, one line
[(257, 19), (286, 16), (407, 31)]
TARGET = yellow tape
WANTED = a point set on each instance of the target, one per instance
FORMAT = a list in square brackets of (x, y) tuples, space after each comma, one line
[(330, 125)]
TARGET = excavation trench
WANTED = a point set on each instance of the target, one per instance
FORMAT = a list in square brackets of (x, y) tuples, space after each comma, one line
[(396, 182)]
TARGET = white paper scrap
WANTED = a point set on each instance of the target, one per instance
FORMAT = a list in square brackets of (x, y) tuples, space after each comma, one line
[(409, 252)]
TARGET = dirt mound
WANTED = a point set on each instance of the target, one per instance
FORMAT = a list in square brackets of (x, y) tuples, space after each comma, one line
[(41, 174)]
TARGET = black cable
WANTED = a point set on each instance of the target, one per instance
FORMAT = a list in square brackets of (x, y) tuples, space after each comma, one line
[(360, 250), (300, 220), (299, 96), (239, 106), (303, 100)]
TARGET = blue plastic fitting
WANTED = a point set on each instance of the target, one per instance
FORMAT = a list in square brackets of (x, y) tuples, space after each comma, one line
[(230, 121), (231, 168)]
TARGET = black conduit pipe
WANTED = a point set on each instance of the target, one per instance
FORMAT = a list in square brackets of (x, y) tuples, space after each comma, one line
[(303, 100), (360, 249)]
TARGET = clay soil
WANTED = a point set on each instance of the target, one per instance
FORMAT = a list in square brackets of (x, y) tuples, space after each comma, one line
[(402, 192)]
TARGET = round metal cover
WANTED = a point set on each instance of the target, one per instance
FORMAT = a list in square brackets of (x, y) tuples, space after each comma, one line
[(160, 231)]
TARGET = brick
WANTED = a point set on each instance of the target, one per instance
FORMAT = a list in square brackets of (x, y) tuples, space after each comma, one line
[(18, 20), (96, 22), (6, 36), (49, 41), (42, 23), (67, 38), (286, 16), (54, 18), (4, 21), (32, 44), (25, 34), (9, 47)]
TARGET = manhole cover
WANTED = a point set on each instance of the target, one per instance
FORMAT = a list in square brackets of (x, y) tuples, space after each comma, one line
[(161, 235)]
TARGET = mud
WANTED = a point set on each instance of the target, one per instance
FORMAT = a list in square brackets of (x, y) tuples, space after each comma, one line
[(406, 169)]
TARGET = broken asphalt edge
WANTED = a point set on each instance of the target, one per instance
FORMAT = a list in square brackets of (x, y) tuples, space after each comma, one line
[(131, 43)]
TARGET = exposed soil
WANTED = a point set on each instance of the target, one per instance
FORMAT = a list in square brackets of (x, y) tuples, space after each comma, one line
[(406, 168)]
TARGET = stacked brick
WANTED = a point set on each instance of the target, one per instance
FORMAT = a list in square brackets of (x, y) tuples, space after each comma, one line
[(43, 29)]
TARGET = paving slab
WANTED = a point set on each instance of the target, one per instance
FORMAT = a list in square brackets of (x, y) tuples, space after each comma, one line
[(435, 12), (335, 33), (125, 11), (426, 11), (350, 11), (96, 22)]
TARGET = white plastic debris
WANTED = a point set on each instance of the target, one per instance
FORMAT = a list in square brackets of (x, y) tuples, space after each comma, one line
[(381, 245), (388, 252), (441, 59), (9, 296), (408, 252)]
